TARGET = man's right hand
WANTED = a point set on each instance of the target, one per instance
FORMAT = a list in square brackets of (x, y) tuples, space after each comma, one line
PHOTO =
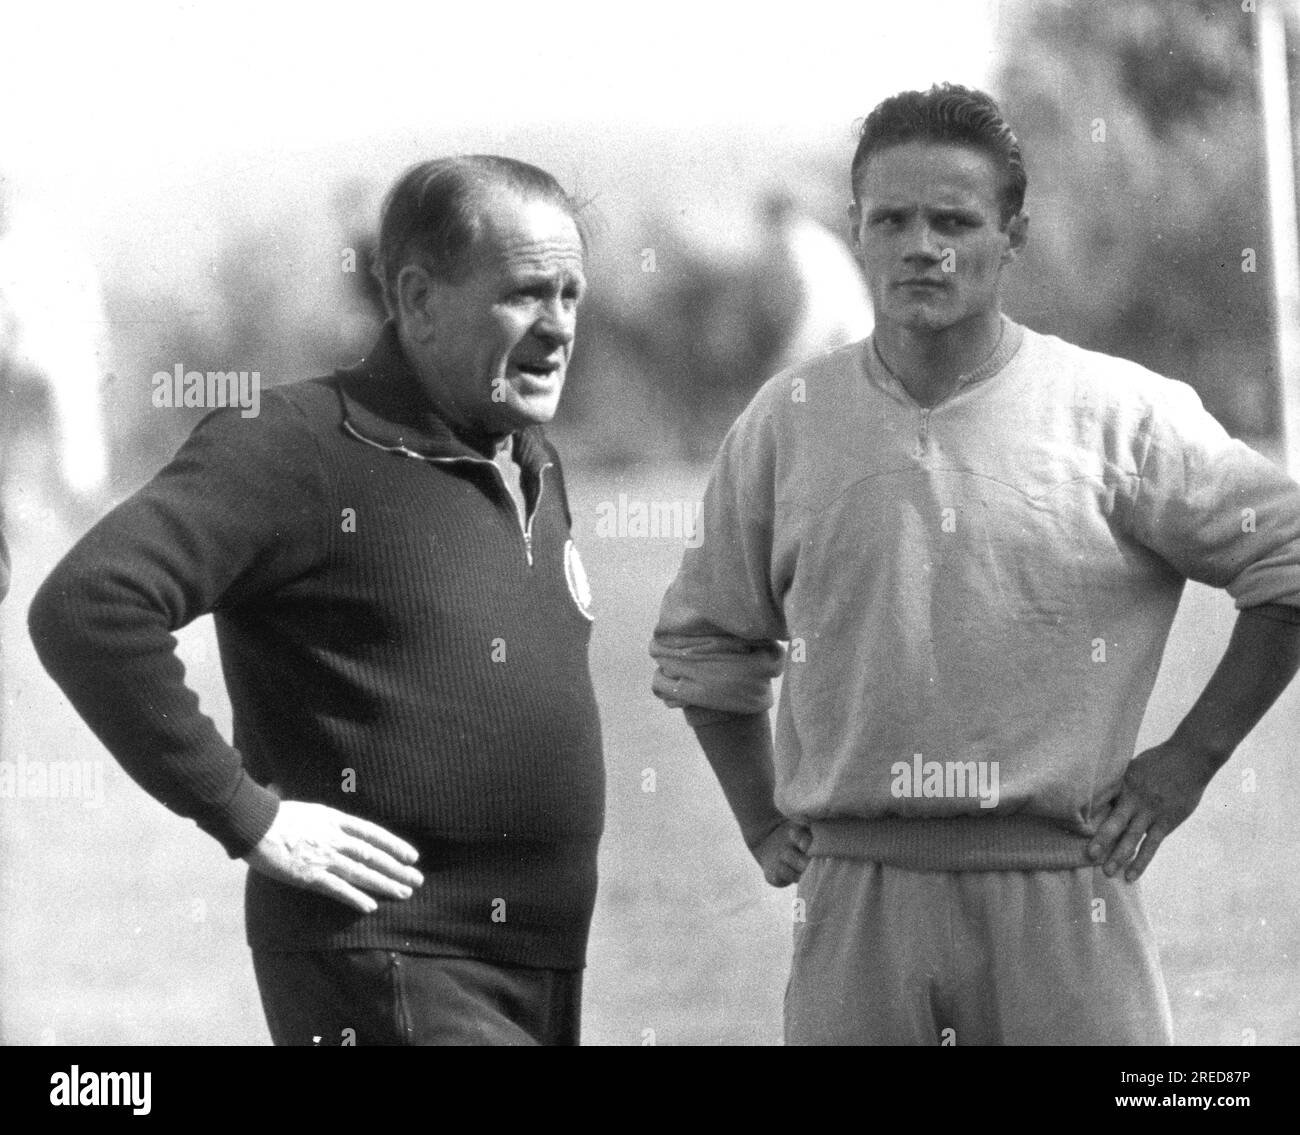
[(321, 849), (783, 853)]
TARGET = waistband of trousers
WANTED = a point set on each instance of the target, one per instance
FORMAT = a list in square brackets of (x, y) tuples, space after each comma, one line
[(954, 843)]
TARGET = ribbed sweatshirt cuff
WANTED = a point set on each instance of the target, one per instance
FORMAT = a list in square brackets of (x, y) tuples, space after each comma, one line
[(957, 843)]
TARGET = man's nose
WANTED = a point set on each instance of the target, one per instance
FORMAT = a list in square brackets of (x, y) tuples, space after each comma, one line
[(922, 242), (556, 323)]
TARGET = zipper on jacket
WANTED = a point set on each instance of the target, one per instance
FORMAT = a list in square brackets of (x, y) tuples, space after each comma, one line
[(537, 507), (525, 526)]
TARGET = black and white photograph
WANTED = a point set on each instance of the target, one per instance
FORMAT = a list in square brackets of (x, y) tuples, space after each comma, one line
[(685, 525)]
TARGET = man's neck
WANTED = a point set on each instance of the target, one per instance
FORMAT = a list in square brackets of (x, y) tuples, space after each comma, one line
[(484, 442), (931, 364)]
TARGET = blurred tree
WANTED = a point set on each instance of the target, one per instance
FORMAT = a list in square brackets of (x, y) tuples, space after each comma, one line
[(669, 355), (288, 298), (1149, 238)]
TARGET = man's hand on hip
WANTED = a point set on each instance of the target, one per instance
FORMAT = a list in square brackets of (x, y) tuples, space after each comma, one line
[(1161, 789), (321, 849), (783, 853), (1164, 784)]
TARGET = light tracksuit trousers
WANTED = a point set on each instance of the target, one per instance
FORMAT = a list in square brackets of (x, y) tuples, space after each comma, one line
[(887, 956)]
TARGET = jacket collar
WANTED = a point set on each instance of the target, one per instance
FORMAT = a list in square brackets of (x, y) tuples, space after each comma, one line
[(384, 406)]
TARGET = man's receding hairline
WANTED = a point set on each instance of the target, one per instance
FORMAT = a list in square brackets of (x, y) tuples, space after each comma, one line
[(482, 196), (524, 196), (435, 215)]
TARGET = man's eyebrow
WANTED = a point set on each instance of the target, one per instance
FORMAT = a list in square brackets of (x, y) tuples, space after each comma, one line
[(531, 280)]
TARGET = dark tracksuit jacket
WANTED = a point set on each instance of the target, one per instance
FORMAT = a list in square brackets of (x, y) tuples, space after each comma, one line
[(394, 644)]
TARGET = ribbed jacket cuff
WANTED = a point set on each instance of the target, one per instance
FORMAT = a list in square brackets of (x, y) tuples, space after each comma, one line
[(246, 818)]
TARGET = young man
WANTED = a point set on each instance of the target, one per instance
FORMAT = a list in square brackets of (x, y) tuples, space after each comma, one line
[(403, 630), (973, 538)]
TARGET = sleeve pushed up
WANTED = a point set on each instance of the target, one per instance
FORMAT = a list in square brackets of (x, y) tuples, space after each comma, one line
[(717, 642), (1216, 510)]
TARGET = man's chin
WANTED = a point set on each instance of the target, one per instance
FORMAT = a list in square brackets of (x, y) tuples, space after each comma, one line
[(923, 318), (536, 410)]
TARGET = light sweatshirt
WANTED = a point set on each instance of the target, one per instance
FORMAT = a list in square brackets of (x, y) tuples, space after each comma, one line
[(975, 595)]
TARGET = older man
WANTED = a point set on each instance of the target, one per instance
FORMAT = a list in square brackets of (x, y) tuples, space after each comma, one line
[(974, 539), (416, 776)]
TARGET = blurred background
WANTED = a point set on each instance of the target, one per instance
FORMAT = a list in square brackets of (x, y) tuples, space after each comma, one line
[(199, 184)]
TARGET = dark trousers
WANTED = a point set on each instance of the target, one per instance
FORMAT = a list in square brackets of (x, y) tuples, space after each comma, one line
[(340, 997)]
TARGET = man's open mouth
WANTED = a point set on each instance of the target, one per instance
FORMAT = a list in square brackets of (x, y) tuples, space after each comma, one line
[(538, 370)]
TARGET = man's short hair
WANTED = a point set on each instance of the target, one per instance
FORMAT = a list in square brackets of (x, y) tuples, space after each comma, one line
[(947, 112), (432, 214)]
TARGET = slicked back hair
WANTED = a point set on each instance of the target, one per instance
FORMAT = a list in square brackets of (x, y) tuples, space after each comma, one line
[(433, 214), (947, 112)]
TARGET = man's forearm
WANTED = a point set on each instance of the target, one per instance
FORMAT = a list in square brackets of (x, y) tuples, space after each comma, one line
[(1263, 656), (740, 751)]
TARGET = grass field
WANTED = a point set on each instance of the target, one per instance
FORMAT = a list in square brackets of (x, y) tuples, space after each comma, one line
[(123, 924)]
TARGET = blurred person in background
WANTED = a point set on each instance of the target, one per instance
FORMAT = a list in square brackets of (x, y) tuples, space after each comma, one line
[(416, 776), (352, 205), (974, 539), (820, 282), (51, 341)]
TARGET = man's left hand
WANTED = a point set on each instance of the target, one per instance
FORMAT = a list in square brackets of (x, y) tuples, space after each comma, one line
[(1161, 789)]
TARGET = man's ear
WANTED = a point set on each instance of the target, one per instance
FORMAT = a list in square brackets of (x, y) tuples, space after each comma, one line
[(1017, 235), (416, 293), (855, 222)]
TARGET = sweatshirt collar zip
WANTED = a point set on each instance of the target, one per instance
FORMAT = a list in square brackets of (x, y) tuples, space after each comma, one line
[(1010, 337)]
